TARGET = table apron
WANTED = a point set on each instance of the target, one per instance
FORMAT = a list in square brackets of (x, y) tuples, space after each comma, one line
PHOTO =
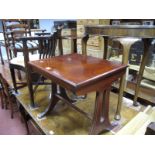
[(99, 85)]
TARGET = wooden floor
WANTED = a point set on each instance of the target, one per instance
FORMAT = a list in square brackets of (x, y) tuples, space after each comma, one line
[(66, 121)]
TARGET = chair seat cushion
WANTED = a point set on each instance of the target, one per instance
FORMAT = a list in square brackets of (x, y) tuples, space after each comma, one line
[(30, 45), (19, 60)]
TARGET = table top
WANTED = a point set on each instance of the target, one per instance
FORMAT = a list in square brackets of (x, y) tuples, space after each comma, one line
[(140, 31), (124, 26), (75, 70)]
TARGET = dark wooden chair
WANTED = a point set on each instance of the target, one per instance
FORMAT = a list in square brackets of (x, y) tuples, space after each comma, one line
[(46, 48), (13, 28), (8, 98), (7, 95)]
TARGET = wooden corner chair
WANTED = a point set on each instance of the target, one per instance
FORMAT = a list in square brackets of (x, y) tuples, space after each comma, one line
[(46, 48)]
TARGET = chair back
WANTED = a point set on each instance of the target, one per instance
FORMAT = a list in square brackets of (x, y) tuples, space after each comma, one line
[(13, 28), (47, 46)]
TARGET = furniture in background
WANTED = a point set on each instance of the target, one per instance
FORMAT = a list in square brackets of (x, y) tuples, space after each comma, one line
[(146, 33), (2, 44), (68, 38), (34, 23), (95, 44), (13, 29), (135, 49), (3, 105), (64, 24), (8, 98)]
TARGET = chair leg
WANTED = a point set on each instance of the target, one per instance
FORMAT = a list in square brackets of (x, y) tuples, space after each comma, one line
[(13, 78), (11, 106), (5, 101), (10, 101), (2, 97), (19, 75), (24, 117)]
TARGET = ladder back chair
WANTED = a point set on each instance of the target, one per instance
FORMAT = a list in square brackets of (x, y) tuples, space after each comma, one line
[(13, 28), (16, 28)]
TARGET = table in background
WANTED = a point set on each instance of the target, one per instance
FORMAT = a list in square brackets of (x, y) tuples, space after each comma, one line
[(146, 33)]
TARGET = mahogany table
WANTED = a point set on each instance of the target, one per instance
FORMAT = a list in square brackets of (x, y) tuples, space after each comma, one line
[(144, 32), (80, 74)]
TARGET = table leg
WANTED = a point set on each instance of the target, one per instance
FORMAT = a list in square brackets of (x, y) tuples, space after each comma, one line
[(101, 120), (74, 45), (65, 96), (60, 46), (120, 98), (62, 95), (84, 44), (53, 102), (105, 52), (147, 43), (126, 44)]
